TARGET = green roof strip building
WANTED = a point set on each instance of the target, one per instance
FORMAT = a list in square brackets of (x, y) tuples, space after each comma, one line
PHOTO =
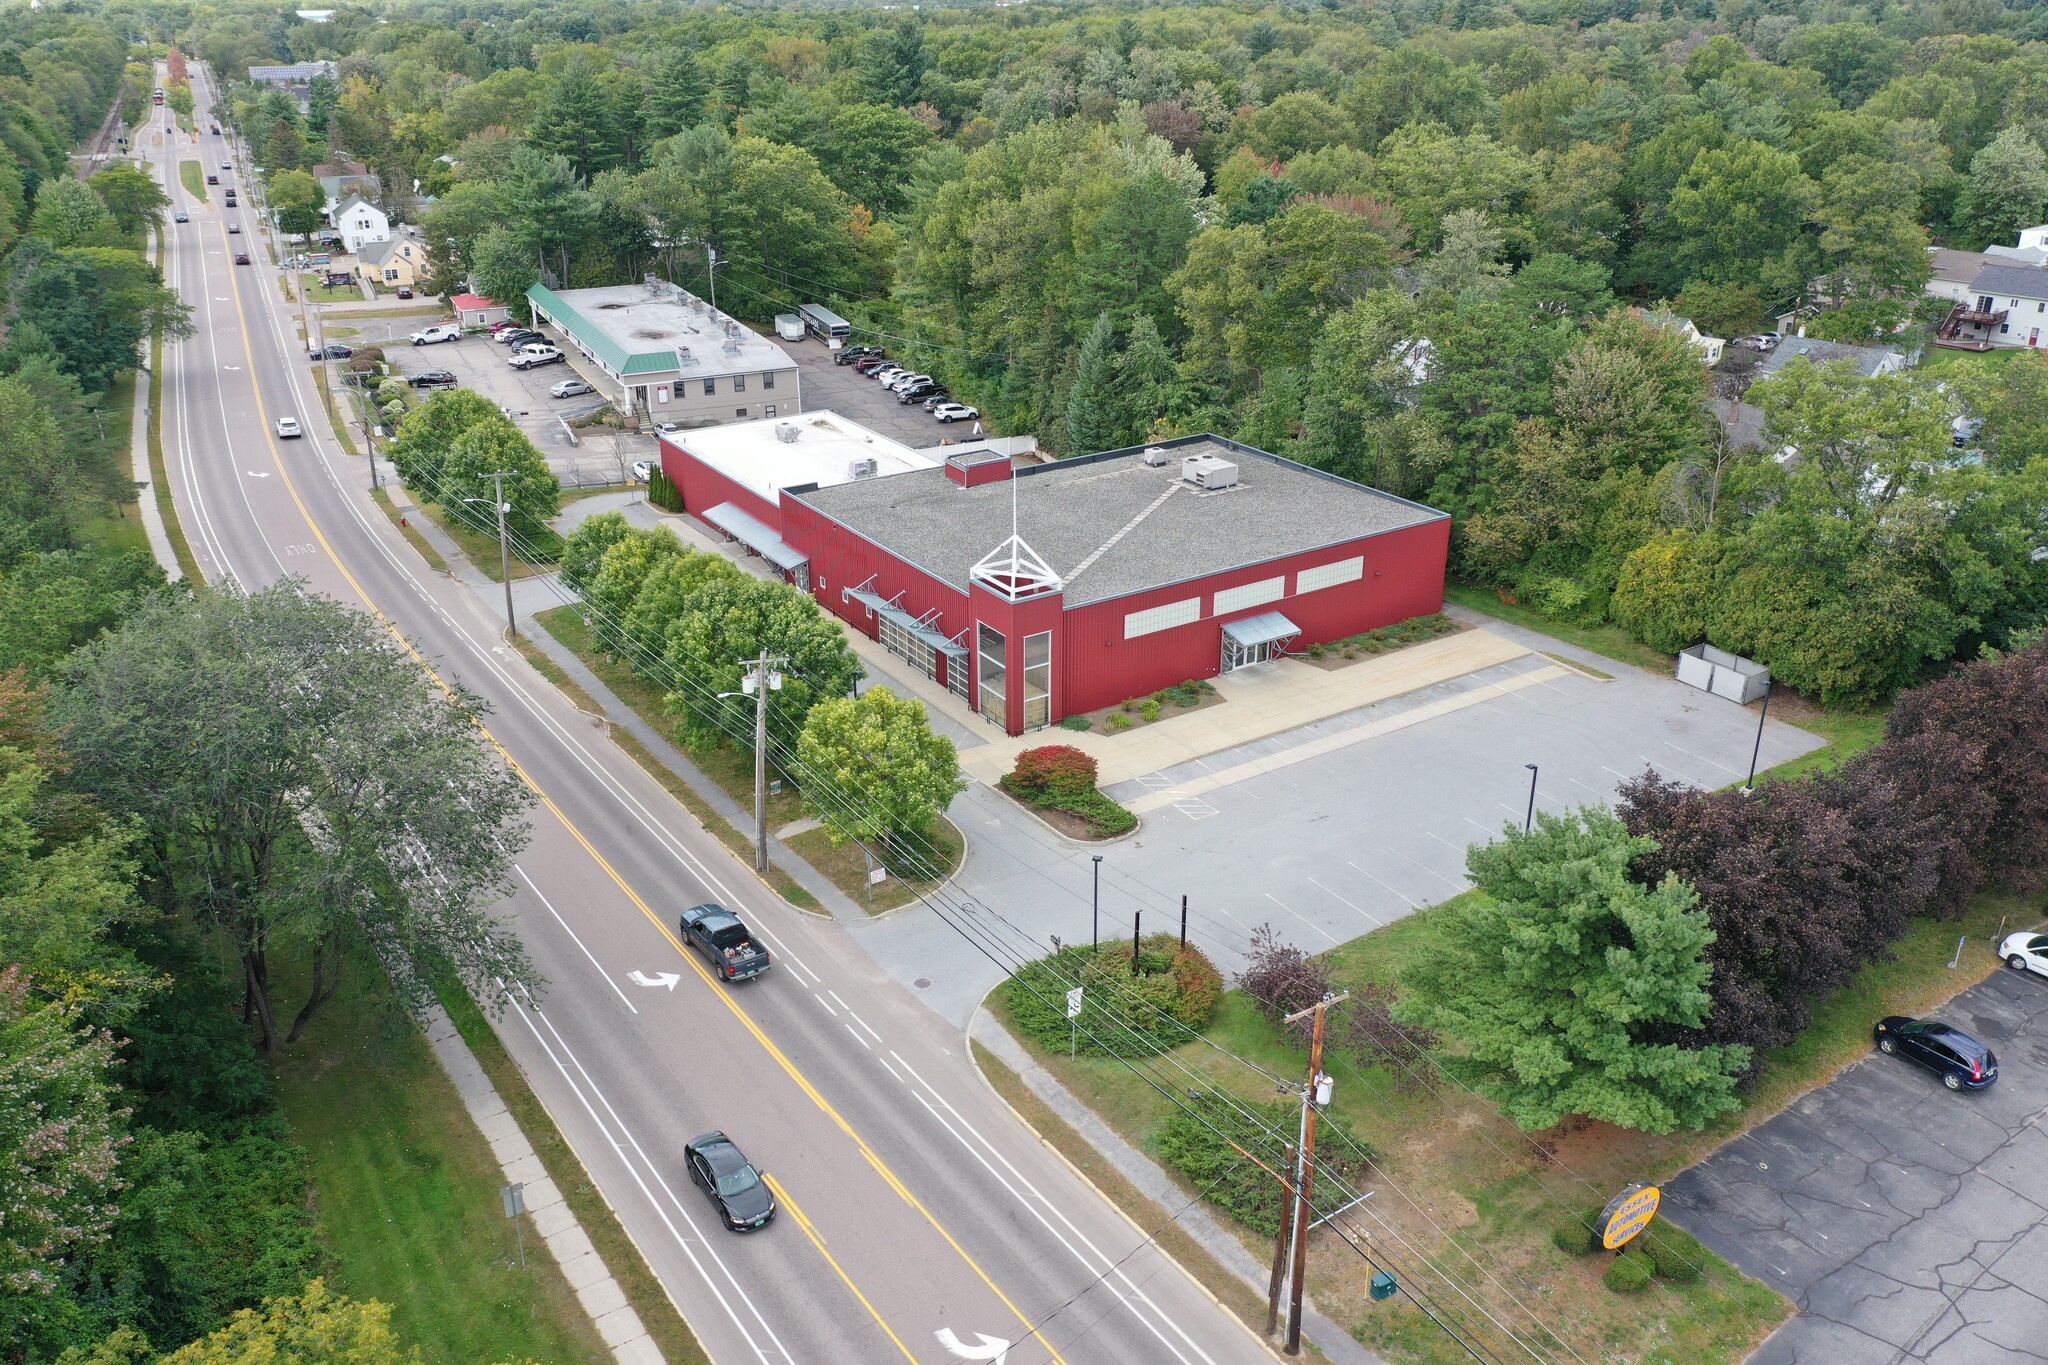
[(665, 355)]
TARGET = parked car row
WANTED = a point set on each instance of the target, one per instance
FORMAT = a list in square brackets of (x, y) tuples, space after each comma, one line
[(1961, 1061), (907, 384), (1758, 341)]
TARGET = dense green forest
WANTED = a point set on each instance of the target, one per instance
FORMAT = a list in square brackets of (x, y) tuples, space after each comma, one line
[(1400, 241)]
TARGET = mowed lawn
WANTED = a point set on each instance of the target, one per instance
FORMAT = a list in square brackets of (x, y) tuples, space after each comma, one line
[(407, 1193), (194, 176)]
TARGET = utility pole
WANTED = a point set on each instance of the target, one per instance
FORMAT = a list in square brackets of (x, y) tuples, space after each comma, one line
[(761, 680), (504, 546), (711, 274), (1756, 751), (1313, 1098)]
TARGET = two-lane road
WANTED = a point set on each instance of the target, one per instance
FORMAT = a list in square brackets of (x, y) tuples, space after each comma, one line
[(916, 1210)]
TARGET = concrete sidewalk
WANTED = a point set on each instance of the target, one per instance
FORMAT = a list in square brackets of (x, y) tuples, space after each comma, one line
[(1268, 699)]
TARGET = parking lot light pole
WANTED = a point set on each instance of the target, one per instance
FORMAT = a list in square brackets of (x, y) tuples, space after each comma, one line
[(1096, 933), (1758, 748), (1530, 818)]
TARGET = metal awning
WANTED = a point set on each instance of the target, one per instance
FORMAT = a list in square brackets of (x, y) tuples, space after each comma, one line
[(756, 535), (1268, 627), (873, 601), (916, 629)]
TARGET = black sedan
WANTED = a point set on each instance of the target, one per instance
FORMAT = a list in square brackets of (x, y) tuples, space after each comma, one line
[(1961, 1061), (721, 1170), (432, 379), (333, 350)]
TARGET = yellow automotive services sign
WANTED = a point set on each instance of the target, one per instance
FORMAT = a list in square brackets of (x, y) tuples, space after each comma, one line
[(1627, 1214)]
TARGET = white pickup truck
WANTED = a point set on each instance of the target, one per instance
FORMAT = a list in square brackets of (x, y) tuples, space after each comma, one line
[(442, 331)]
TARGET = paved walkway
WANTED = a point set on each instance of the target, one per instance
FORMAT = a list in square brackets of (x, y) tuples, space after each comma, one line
[(552, 1217), (1133, 1165), (1268, 699), (139, 426)]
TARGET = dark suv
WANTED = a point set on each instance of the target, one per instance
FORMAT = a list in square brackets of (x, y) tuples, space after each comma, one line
[(917, 393), (1961, 1061), (848, 354)]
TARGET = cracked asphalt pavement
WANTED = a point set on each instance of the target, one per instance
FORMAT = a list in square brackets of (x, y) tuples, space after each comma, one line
[(1905, 1222)]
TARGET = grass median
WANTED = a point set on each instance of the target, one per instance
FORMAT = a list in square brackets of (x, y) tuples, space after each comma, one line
[(194, 176)]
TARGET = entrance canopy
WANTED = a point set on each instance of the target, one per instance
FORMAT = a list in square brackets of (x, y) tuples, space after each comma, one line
[(1267, 628), (755, 534)]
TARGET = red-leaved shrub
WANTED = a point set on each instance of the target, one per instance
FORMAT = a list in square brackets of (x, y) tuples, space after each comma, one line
[(1053, 770)]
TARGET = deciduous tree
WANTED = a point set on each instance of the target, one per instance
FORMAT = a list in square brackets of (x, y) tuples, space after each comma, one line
[(872, 769)]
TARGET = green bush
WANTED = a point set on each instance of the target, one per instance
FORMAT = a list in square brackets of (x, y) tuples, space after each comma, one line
[(1631, 1273), (1189, 1142), (1675, 1252), (1175, 990), (1118, 720), (1149, 710), (1189, 693), (1573, 1238), (1077, 723), (1106, 815)]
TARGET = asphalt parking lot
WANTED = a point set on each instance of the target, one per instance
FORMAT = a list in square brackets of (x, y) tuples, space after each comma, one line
[(599, 455), (851, 394), (1903, 1220)]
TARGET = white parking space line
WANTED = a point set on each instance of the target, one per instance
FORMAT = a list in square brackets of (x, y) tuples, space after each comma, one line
[(1375, 920), (1334, 940)]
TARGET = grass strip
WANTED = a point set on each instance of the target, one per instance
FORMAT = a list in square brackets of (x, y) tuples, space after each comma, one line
[(407, 1188), (334, 417), (159, 472), (621, 1255), (846, 866), (398, 518), (563, 621), (481, 548), (1575, 666), (1232, 1292), (194, 176), (1609, 641)]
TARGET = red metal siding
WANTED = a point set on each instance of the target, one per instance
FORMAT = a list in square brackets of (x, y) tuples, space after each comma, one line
[(703, 487), (1097, 666), (841, 560)]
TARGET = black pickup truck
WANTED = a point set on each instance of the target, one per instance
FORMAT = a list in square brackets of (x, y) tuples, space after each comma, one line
[(717, 933)]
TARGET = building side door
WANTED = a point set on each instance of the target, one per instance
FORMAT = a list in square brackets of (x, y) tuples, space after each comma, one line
[(992, 675)]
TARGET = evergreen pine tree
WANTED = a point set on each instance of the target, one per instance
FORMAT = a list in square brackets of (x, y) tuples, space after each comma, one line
[(576, 121), (1092, 400), (677, 95)]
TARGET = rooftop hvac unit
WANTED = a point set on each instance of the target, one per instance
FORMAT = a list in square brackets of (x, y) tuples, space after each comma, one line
[(732, 329), (787, 432), (1156, 456), (732, 345), (1206, 471), (864, 468), (683, 357)]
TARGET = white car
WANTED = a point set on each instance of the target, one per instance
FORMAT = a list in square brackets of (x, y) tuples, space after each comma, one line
[(2025, 952), (955, 412), (287, 428), (234, 227), (570, 388), (444, 331), (642, 470), (668, 428), (882, 374), (906, 381)]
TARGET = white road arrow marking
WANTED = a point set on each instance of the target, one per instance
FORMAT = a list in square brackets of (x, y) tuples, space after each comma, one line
[(231, 367), (668, 979), (256, 474), (991, 1348)]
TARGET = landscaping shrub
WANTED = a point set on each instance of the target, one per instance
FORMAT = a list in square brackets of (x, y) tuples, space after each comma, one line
[(1077, 723), (1282, 979), (1149, 709), (1175, 990), (1189, 693), (1052, 770), (662, 492), (1676, 1253), (1193, 1147), (1369, 1029), (1631, 1273), (1118, 721), (1573, 1238)]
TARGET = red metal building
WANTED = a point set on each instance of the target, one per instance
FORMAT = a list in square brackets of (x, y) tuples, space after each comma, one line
[(1055, 589)]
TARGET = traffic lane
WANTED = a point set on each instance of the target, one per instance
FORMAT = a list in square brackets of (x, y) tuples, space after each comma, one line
[(1900, 1217), (292, 378)]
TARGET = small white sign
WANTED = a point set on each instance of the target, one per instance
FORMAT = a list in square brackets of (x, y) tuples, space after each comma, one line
[(877, 875), (1074, 1003)]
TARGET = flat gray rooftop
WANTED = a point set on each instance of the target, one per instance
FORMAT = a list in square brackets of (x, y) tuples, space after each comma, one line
[(1071, 511), (636, 331)]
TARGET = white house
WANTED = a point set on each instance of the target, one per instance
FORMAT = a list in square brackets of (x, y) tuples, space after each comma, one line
[(360, 222), (2004, 306), (1870, 361), (1710, 347)]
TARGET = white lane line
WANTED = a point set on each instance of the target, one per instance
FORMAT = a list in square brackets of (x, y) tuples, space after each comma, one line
[(535, 888), (689, 1245), (1446, 842), (892, 1068), (1412, 905), (858, 1039), (1375, 919), (828, 1008), (864, 1024), (1451, 882), (1489, 833), (1097, 1261), (1334, 940), (1704, 759)]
